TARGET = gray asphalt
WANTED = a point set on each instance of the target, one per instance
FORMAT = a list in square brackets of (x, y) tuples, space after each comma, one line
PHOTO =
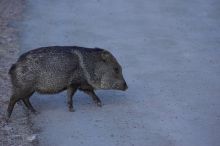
[(170, 53)]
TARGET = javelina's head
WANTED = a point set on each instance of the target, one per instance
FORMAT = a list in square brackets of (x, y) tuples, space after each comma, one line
[(111, 72)]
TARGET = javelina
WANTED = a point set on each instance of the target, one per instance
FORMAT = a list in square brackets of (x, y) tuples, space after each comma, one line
[(56, 68)]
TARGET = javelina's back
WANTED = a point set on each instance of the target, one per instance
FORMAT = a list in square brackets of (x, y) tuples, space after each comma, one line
[(47, 69)]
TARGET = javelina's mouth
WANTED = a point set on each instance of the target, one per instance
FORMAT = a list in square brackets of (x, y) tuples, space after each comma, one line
[(125, 86), (122, 87)]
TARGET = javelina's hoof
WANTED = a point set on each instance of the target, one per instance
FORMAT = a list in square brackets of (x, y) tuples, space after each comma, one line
[(7, 117), (71, 110), (6, 120)]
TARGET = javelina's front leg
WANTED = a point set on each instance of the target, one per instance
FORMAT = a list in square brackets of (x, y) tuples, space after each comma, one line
[(70, 92), (94, 97)]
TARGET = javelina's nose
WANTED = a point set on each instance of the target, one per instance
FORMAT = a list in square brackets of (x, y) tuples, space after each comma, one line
[(125, 86)]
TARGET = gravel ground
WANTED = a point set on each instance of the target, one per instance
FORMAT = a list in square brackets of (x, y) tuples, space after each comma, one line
[(19, 130)]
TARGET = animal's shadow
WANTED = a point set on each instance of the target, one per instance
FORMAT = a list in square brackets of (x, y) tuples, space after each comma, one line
[(80, 100)]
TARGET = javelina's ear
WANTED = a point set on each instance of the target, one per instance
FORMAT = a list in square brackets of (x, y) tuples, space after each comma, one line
[(105, 56)]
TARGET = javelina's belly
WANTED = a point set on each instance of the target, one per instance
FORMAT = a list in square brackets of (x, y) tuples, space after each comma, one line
[(51, 84)]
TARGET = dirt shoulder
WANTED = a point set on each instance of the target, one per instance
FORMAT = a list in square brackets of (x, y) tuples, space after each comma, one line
[(18, 131)]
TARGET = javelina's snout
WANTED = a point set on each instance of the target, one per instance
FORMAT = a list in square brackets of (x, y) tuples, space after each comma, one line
[(122, 86)]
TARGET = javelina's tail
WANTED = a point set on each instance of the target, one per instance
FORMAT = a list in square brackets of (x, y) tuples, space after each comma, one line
[(12, 69)]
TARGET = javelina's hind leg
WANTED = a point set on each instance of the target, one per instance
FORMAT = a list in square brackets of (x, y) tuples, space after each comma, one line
[(17, 95), (70, 92), (11, 105), (28, 103), (94, 97)]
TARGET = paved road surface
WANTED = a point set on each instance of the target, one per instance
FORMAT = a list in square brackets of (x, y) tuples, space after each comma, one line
[(170, 54)]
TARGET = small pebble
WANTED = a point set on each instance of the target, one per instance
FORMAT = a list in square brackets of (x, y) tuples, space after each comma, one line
[(32, 137)]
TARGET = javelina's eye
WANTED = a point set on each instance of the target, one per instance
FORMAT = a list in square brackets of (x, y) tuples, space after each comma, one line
[(116, 70)]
